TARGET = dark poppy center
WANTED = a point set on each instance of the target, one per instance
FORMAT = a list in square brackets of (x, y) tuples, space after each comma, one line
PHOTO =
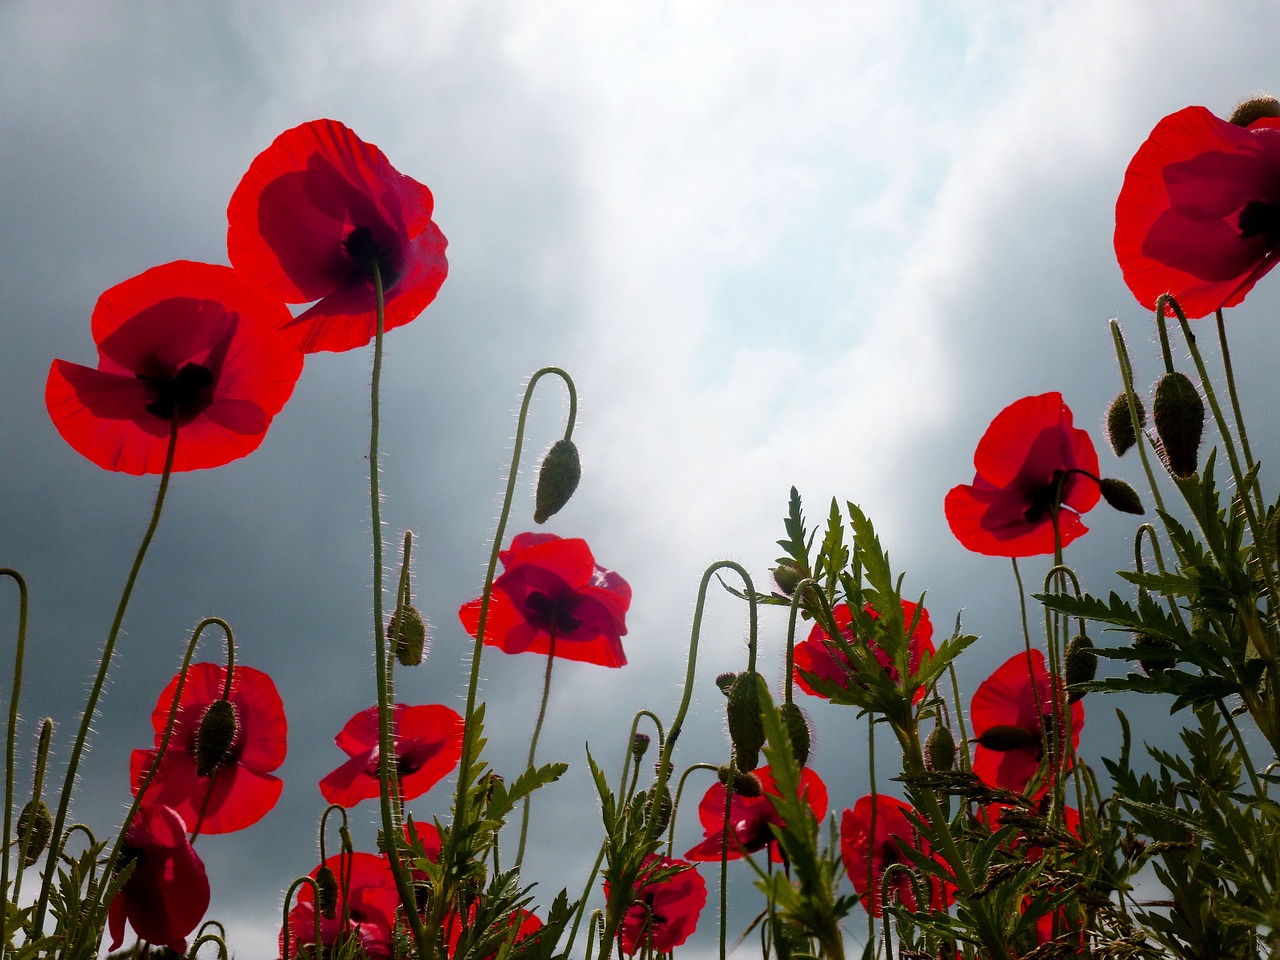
[(1042, 500), (361, 247), (1260, 218), (182, 396), (552, 614)]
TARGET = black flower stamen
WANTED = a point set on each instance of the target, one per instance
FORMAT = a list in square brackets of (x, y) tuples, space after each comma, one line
[(1260, 218), (553, 615), (181, 396)]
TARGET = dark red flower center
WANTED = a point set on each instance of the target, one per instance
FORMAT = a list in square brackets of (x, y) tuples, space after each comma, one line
[(1260, 218), (552, 614), (181, 396), (361, 247), (1042, 500)]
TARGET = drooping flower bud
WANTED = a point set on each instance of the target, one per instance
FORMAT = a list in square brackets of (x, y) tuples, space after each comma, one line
[(327, 897), (725, 682), (788, 574), (408, 632), (1119, 425), (639, 746), (1255, 108), (1155, 654), (35, 827), (745, 784), (940, 750), (797, 728), (1081, 665), (217, 733), (1003, 738), (659, 812), (1120, 495), (746, 726), (1178, 414), (557, 479)]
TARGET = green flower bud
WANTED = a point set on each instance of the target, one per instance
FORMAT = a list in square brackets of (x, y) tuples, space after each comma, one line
[(217, 733), (745, 784), (1081, 665), (408, 633), (797, 727), (660, 812), (1119, 425), (639, 745), (1154, 653), (1178, 414), (35, 827), (725, 682), (940, 750), (1255, 108), (1120, 495), (1003, 738), (788, 574), (327, 898), (746, 726), (557, 479)]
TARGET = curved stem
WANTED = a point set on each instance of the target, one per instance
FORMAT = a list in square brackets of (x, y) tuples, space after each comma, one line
[(104, 664), (11, 737), (37, 792), (533, 745), (1139, 432)]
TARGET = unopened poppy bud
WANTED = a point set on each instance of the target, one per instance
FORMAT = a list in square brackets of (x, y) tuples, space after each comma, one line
[(408, 633), (35, 826), (1120, 495), (218, 730), (1178, 414), (327, 895), (1255, 108), (557, 479), (639, 745), (1081, 666), (788, 574), (940, 750), (1003, 738), (745, 784), (659, 812), (797, 727), (1154, 653), (1119, 425), (725, 682), (746, 726)]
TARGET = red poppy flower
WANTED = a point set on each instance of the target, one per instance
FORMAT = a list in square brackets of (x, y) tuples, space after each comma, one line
[(1028, 451), (368, 900), (167, 894), (525, 922), (185, 341), (665, 913), (314, 211), (863, 853), (750, 817), (553, 594), (428, 742), (818, 656), (1007, 712), (242, 789), (1199, 212)]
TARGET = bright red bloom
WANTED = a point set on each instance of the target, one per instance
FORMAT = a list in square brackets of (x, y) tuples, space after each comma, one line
[(525, 922), (368, 898), (553, 593), (242, 789), (1029, 449), (863, 853), (665, 913), (428, 742), (1007, 712), (1199, 212), (167, 894), (314, 211), (820, 657), (185, 341), (750, 817)]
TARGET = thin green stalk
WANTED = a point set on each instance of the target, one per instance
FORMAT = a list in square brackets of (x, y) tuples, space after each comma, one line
[(1234, 397), (533, 745), (1139, 431), (11, 738), (871, 826), (37, 792), (104, 664)]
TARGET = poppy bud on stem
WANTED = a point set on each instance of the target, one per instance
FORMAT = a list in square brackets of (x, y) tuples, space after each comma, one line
[(557, 480), (35, 826), (218, 730), (940, 750), (1121, 496), (1178, 414), (797, 728), (1119, 424), (1255, 108), (1081, 665), (746, 726), (408, 633)]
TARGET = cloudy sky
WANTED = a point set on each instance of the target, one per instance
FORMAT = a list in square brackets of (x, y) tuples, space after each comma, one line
[(817, 244)]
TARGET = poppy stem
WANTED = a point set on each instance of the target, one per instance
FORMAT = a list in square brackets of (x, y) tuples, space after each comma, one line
[(1126, 377), (11, 739), (37, 792), (533, 745), (104, 664)]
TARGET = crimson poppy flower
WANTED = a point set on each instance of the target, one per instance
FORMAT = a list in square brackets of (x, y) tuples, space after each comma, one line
[(750, 817), (1008, 711), (1198, 215), (525, 921), (368, 900), (187, 342), (311, 216), (554, 598), (428, 744), (866, 854), (665, 913), (241, 790), (1029, 456), (167, 894), (818, 656)]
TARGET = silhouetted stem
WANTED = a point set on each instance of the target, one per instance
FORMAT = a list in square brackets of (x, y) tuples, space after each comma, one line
[(11, 736), (533, 746)]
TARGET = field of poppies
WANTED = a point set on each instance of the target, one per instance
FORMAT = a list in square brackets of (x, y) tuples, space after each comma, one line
[(991, 836)]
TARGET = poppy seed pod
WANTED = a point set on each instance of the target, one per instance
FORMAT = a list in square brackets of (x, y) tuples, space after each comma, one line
[(1119, 425), (744, 784), (1178, 414), (35, 827), (1255, 108), (1081, 666), (557, 479), (327, 897), (1004, 737), (746, 726), (218, 729), (940, 750), (797, 728), (1121, 496), (408, 633)]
